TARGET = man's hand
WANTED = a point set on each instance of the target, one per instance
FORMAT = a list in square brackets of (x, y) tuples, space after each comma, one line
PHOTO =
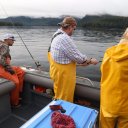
[(10, 70), (93, 61), (88, 62)]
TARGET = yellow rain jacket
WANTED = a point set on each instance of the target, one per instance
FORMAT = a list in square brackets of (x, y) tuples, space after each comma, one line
[(114, 80), (64, 78)]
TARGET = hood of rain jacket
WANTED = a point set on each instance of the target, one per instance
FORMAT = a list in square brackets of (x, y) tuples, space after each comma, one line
[(118, 52)]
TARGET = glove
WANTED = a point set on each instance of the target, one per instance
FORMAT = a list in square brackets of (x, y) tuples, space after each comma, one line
[(57, 107), (10, 70)]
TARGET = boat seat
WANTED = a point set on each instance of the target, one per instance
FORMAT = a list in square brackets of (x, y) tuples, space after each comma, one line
[(5, 86), (5, 108)]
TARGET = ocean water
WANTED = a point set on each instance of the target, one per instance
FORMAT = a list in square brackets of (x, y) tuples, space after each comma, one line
[(93, 43)]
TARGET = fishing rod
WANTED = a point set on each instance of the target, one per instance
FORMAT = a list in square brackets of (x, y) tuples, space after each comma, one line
[(11, 20), (36, 62)]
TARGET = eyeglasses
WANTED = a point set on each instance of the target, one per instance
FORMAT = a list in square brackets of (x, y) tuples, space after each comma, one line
[(12, 38), (74, 28)]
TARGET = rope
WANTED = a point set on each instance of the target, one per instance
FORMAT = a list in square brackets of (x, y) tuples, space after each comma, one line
[(92, 84)]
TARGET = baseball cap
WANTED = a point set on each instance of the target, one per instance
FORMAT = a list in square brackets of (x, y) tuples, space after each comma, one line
[(9, 36), (67, 21)]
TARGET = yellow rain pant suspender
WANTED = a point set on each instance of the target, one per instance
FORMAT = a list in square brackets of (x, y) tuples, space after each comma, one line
[(64, 77)]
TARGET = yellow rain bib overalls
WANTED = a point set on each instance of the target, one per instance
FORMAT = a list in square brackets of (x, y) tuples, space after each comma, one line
[(114, 87), (64, 78)]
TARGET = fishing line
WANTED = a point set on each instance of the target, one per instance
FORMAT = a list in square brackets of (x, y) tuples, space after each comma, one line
[(11, 20)]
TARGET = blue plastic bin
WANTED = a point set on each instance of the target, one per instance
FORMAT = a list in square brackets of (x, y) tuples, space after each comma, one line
[(84, 117)]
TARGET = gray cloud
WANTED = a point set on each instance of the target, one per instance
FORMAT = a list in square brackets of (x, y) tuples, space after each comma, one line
[(54, 8)]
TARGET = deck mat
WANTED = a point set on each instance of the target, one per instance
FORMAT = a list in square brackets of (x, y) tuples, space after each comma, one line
[(27, 111), (11, 122), (20, 116)]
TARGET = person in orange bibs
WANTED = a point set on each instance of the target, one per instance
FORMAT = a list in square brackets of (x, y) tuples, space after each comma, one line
[(13, 73)]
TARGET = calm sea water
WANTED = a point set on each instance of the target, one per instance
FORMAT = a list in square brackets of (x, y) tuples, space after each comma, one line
[(93, 43)]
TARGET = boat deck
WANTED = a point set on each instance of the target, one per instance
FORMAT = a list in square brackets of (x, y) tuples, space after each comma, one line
[(32, 101), (20, 115), (16, 117)]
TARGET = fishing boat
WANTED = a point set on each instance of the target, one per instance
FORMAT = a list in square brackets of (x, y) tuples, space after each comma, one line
[(86, 94)]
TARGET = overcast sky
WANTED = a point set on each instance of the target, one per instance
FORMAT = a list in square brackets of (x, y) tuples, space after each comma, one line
[(55, 8)]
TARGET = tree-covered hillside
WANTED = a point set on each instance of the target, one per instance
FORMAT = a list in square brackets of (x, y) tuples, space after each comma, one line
[(89, 21), (104, 21)]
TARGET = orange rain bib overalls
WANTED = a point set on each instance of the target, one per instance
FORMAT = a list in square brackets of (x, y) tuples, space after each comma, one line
[(17, 78)]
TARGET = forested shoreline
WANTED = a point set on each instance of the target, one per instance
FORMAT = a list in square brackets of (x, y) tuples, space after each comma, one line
[(104, 21), (89, 21)]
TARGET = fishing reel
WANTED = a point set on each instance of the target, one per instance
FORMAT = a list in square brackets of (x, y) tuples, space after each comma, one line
[(39, 66)]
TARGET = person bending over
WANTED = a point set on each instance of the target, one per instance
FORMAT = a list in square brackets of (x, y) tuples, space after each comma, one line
[(63, 56)]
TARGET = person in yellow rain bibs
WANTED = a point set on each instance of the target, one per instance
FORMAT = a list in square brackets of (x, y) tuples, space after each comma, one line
[(114, 86), (63, 57)]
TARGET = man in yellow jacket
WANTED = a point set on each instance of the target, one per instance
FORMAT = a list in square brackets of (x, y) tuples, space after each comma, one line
[(114, 86)]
